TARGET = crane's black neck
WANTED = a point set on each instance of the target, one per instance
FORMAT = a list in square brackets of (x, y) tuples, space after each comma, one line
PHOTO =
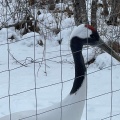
[(76, 48)]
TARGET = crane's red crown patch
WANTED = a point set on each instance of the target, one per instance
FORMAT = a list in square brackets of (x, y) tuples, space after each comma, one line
[(90, 27)]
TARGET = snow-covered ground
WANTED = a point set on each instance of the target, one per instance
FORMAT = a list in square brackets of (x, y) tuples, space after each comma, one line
[(19, 78)]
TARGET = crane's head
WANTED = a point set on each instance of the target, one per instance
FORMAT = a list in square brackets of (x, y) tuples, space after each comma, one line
[(88, 35)]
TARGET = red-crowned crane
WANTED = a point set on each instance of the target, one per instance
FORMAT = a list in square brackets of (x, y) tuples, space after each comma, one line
[(73, 104)]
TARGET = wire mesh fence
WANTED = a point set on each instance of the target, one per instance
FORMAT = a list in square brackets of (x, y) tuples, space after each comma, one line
[(36, 65)]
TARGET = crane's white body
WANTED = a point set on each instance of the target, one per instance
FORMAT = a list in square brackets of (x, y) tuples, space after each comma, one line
[(72, 108)]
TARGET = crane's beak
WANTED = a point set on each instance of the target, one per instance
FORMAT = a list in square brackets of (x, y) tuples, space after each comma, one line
[(108, 49)]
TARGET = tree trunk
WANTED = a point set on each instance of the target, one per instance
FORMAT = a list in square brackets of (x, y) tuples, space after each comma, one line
[(93, 13), (31, 2), (57, 1), (51, 4), (115, 12), (105, 8), (80, 14)]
